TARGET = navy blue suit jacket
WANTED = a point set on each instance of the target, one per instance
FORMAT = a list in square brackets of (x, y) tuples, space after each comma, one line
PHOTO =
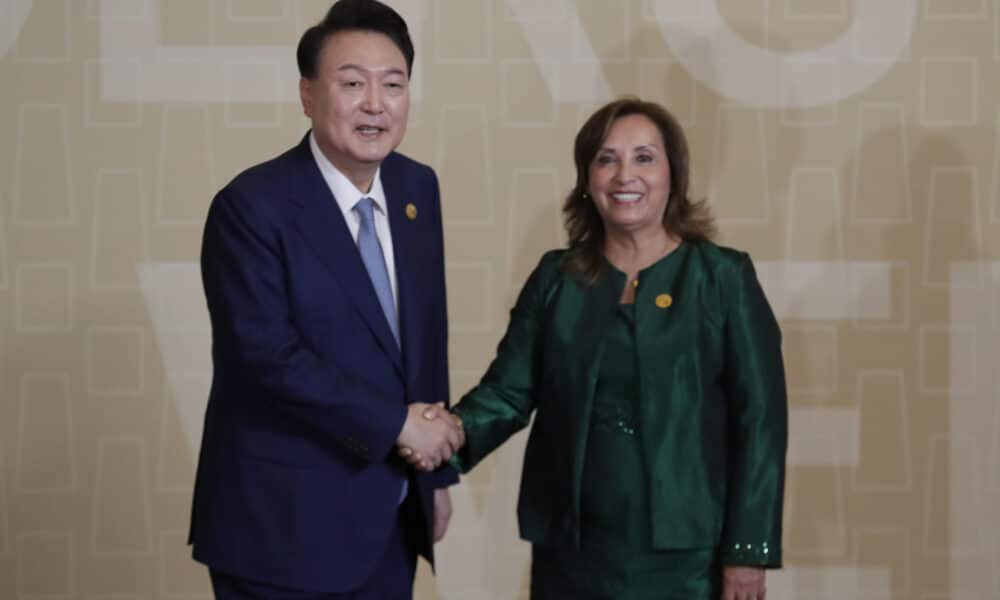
[(297, 480)]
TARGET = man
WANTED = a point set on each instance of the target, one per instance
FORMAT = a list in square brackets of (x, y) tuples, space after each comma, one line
[(324, 277)]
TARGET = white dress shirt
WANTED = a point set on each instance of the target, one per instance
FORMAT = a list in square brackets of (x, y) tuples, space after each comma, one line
[(347, 195)]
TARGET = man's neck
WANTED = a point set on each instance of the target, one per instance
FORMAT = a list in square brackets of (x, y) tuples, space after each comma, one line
[(361, 175), (361, 179)]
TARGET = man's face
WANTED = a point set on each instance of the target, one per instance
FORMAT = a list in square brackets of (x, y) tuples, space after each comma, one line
[(359, 100)]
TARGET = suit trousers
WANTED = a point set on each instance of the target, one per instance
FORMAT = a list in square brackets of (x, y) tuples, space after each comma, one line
[(392, 578)]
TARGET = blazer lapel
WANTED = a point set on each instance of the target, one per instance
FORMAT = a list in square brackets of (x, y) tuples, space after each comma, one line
[(405, 244), (598, 310), (323, 226)]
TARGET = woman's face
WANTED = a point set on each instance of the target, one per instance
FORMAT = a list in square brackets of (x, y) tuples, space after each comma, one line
[(630, 176)]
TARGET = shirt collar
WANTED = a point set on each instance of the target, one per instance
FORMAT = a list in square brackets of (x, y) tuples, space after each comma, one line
[(344, 191)]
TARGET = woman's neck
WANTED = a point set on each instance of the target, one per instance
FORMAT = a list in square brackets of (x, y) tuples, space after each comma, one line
[(631, 252)]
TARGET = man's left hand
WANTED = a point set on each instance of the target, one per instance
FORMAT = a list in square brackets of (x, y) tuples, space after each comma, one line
[(442, 512), (742, 583)]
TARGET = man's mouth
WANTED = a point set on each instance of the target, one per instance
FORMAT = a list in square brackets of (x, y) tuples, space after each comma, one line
[(369, 131)]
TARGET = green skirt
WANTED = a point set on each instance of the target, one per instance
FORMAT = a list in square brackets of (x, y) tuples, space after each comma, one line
[(593, 574), (616, 559)]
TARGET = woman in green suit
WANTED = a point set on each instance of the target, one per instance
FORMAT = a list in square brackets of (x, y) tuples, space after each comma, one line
[(652, 362)]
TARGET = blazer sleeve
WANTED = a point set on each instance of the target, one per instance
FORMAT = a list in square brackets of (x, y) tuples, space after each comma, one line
[(502, 403), (243, 272), (446, 475), (754, 379)]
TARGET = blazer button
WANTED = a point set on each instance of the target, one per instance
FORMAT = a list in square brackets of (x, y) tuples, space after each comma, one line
[(664, 301)]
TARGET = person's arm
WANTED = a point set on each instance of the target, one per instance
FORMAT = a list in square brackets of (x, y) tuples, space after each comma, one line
[(502, 403), (243, 272), (758, 425)]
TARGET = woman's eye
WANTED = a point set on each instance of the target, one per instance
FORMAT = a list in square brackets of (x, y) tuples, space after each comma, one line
[(605, 159), (644, 158)]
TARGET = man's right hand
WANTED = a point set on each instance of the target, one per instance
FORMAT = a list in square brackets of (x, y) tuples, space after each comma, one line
[(428, 442)]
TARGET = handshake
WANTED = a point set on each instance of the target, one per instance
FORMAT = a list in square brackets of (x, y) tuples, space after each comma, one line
[(430, 436)]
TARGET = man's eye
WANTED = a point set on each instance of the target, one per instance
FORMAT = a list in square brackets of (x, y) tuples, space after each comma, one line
[(352, 84)]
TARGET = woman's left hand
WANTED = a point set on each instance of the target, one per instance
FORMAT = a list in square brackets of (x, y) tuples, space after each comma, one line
[(743, 583)]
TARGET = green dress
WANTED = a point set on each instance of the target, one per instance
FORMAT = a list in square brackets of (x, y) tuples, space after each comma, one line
[(616, 558)]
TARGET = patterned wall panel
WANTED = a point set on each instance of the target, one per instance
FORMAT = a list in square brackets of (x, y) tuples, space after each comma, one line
[(851, 146)]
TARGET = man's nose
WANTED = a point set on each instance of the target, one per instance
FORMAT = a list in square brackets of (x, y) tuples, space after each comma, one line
[(373, 100)]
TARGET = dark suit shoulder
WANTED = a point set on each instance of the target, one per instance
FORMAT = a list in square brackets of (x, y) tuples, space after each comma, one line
[(264, 178), (401, 163), (262, 197)]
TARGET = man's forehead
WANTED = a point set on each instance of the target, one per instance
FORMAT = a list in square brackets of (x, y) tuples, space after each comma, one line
[(361, 49)]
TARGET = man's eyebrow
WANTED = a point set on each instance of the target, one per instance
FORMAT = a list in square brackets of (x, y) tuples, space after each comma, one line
[(388, 71)]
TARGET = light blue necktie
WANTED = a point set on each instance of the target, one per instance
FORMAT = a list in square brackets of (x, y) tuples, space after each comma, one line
[(371, 255)]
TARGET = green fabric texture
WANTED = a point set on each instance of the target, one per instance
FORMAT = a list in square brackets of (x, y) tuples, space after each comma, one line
[(616, 558), (614, 504), (711, 409)]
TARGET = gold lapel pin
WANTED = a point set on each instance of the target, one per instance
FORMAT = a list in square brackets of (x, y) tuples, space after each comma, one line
[(411, 211), (664, 301)]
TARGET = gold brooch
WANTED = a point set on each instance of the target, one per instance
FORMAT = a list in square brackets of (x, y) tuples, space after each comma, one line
[(411, 212)]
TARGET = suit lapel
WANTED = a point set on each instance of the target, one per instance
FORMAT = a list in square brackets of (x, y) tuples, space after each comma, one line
[(404, 243), (323, 226)]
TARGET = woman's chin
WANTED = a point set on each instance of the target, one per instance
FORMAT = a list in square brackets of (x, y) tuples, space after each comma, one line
[(629, 223)]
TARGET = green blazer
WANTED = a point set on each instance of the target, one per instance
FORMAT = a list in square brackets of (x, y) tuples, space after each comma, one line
[(713, 409)]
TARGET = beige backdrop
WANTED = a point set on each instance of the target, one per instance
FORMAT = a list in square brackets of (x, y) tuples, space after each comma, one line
[(853, 147)]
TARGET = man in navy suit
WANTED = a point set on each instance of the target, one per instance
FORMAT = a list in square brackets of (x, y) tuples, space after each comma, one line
[(324, 276)]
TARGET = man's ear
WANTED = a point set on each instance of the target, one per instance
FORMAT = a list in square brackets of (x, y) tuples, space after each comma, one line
[(305, 96)]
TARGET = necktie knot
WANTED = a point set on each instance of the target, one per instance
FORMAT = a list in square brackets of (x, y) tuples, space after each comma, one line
[(366, 210)]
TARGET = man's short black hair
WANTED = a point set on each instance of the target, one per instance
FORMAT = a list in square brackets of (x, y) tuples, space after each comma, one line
[(353, 15)]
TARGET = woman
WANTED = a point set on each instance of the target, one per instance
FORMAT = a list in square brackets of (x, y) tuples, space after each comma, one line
[(655, 465)]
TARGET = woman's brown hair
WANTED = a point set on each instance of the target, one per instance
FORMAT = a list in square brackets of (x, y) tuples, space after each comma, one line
[(690, 221)]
